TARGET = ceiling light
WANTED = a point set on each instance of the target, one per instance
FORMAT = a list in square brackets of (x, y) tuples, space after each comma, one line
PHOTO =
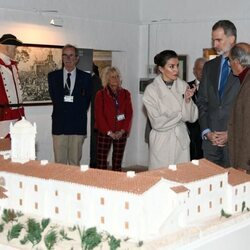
[(58, 22)]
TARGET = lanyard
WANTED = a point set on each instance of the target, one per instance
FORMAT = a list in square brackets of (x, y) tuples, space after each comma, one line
[(115, 98)]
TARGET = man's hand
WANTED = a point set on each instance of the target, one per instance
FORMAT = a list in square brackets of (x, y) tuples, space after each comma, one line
[(221, 138), (217, 138)]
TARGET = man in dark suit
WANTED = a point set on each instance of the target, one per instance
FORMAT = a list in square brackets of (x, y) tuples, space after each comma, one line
[(95, 86), (194, 128), (70, 92), (216, 95)]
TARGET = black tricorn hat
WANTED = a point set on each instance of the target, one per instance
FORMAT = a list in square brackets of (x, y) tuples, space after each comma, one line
[(9, 39)]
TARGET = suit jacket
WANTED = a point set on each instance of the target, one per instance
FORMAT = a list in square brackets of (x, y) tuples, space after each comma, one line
[(239, 129), (195, 132), (214, 111), (96, 85), (70, 118)]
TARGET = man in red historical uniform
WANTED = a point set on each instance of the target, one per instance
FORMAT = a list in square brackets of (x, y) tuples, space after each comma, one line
[(11, 108)]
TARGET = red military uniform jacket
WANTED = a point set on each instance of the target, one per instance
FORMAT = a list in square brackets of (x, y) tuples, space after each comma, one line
[(11, 108)]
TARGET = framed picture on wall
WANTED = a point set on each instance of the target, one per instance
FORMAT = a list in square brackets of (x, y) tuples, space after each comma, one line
[(34, 64), (183, 67)]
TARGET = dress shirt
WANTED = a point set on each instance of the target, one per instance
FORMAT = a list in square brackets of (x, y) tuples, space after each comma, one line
[(72, 79)]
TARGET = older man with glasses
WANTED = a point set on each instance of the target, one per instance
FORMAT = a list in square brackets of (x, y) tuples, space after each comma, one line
[(239, 122), (70, 92)]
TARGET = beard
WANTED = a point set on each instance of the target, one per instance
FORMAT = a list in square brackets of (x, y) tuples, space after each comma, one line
[(223, 51)]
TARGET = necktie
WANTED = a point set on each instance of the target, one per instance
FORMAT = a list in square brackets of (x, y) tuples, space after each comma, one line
[(67, 85), (224, 76)]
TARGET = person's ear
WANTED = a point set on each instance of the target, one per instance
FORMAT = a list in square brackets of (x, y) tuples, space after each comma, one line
[(232, 39), (160, 69)]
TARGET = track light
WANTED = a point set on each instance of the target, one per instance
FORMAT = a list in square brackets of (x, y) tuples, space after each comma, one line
[(58, 22)]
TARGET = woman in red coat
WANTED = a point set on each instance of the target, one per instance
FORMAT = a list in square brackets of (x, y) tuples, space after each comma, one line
[(113, 117)]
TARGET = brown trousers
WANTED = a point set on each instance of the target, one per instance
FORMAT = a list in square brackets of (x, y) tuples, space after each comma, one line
[(68, 149)]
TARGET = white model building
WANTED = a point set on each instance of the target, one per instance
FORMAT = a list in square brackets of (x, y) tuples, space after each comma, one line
[(139, 206), (23, 135)]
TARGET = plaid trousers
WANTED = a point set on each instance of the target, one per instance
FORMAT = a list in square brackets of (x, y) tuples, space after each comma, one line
[(103, 147)]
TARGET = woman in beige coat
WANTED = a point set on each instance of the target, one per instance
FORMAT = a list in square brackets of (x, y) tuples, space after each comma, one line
[(168, 101)]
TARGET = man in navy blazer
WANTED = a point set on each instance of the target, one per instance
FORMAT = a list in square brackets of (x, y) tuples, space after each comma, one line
[(214, 107), (70, 92)]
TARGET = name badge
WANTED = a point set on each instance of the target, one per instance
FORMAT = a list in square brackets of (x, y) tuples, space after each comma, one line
[(68, 98), (120, 117)]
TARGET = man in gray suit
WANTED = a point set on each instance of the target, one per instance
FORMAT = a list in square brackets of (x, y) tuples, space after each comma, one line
[(216, 95)]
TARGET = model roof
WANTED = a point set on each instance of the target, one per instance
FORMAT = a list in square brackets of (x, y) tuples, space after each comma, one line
[(188, 172), (92, 177), (236, 177)]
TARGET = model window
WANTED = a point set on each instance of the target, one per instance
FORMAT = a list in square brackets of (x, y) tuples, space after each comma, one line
[(199, 209), (2, 181), (78, 214), (102, 201), (236, 208), (244, 189), (35, 188), (56, 193), (126, 225), (199, 190), (221, 184), (20, 202), (210, 187), (20, 184), (56, 210), (210, 204), (236, 191), (126, 205), (102, 220), (36, 205), (220, 200), (78, 196)]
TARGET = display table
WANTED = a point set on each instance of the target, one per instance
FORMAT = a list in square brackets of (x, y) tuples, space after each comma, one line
[(235, 237)]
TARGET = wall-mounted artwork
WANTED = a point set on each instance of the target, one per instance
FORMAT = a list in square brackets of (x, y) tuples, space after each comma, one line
[(34, 64), (183, 67), (36, 61)]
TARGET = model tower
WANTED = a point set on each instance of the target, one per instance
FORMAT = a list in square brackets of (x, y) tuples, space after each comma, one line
[(23, 135)]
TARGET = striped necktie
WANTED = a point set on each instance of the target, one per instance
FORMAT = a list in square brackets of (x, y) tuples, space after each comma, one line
[(67, 85)]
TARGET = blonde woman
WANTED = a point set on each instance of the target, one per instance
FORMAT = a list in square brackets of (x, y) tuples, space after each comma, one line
[(113, 117)]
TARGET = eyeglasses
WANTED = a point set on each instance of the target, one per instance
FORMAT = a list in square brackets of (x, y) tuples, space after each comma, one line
[(68, 56)]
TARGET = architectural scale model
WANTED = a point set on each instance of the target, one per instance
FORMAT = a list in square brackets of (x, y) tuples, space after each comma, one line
[(140, 206)]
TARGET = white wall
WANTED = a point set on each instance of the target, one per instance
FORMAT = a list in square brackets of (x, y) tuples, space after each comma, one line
[(121, 26), (184, 26), (87, 24)]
